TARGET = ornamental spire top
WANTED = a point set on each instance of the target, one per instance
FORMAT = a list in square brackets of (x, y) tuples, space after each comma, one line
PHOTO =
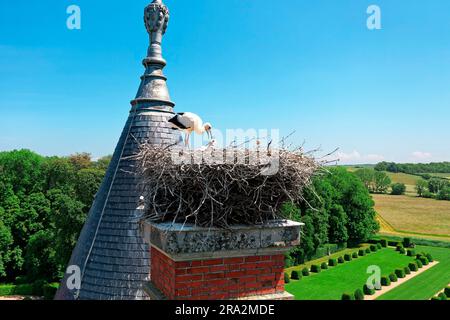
[(156, 18)]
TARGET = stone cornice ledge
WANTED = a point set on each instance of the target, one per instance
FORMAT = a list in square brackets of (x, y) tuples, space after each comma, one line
[(188, 242)]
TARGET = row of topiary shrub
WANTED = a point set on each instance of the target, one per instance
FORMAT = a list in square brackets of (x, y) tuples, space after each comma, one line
[(393, 277), (445, 295), (38, 288), (406, 243)]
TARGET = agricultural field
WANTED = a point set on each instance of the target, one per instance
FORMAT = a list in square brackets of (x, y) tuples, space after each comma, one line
[(413, 216), (332, 283)]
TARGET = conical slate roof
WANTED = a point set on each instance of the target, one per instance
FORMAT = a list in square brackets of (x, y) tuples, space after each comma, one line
[(111, 255)]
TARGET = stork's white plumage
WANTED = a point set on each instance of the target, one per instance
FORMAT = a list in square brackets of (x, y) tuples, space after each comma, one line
[(190, 122)]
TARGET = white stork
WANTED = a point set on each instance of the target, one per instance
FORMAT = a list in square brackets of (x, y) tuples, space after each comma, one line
[(190, 122)]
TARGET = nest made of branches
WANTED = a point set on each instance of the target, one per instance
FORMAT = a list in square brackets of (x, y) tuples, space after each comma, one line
[(221, 187)]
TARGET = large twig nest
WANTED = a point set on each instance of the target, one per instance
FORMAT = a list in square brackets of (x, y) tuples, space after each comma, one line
[(221, 187)]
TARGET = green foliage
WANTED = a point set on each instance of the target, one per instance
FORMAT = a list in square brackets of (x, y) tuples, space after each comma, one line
[(414, 168), (402, 250), (43, 205), (315, 268), (393, 277), (305, 272), (341, 259), (348, 296), (413, 266), (361, 252), (332, 262), (400, 273), (447, 292), (424, 260), (411, 253), (324, 266), (385, 281), (442, 296), (373, 248), (398, 189), (429, 257), (295, 275), (347, 257), (444, 193), (49, 290), (38, 287), (421, 187), (286, 278), (359, 295), (368, 291), (384, 243), (355, 255), (368, 250), (419, 263), (407, 270)]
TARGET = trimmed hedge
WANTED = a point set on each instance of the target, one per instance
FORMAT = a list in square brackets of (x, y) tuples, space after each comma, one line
[(347, 296), (413, 266), (368, 250), (368, 291), (20, 290), (341, 260), (361, 253), (407, 242), (402, 251), (429, 257), (407, 270), (315, 268), (286, 278), (38, 287), (373, 248), (305, 272), (383, 243), (442, 296), (400, 273), (411, 253), (379, 246), (332, 262), (385, 281), (295, 275), (419, 263), (447, 292), (324, 266), (50, 290), (359, 295), (355, 255), (393, 277), (399, 247), (347, 257), (424, 260)]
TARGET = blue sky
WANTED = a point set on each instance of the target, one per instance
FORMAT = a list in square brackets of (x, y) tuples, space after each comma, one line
[(309, 66)]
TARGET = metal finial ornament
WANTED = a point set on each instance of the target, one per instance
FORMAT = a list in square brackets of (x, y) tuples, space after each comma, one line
[(156, 18)]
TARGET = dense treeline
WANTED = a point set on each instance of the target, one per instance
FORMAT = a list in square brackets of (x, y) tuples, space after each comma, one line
[(338, 209), (414, 168), (43, 206)]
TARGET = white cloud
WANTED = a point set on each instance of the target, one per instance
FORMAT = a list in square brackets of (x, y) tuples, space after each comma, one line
[(355, 157), (419, 155)]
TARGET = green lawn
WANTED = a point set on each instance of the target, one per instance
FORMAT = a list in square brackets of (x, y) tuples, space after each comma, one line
[(332, 283), (427, 284)]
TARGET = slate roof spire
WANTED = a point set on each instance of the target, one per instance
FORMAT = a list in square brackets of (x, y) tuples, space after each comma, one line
[(110, 253)]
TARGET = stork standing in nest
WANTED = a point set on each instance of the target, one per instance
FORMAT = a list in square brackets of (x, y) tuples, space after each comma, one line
[(190, 122)]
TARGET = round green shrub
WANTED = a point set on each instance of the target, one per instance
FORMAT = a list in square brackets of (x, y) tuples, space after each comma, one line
[(347, 296), (429, 257), (402, 251), (407, 270), (447, 292), (424, 260), (359, 295), (399, 247), (411, 253), (385, 281), (332, 262), (295, 275), (368, 250), (400, 273), (305, 272), (379, 246), (347, 257), (393, 277), (368, 291), (419, 263), (38, 287), (355, 255), (407, 242), (286, 278), (373, 248), (315, 268), (413, 266), (384, 243), (324, 266), (341, 260), (361, 253), (435, 298), (442, 296)]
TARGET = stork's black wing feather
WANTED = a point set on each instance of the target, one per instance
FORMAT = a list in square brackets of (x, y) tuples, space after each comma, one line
[(177, 123)]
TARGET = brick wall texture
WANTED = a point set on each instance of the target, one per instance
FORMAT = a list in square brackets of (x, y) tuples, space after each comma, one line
[(217, 279)]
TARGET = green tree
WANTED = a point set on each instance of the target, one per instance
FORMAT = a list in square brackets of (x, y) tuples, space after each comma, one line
[(87, 184), (338, 221), (40, 257), (421, 187), (6, 240), (381, 182), (367, 176), (398, 189), (435, 185)]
